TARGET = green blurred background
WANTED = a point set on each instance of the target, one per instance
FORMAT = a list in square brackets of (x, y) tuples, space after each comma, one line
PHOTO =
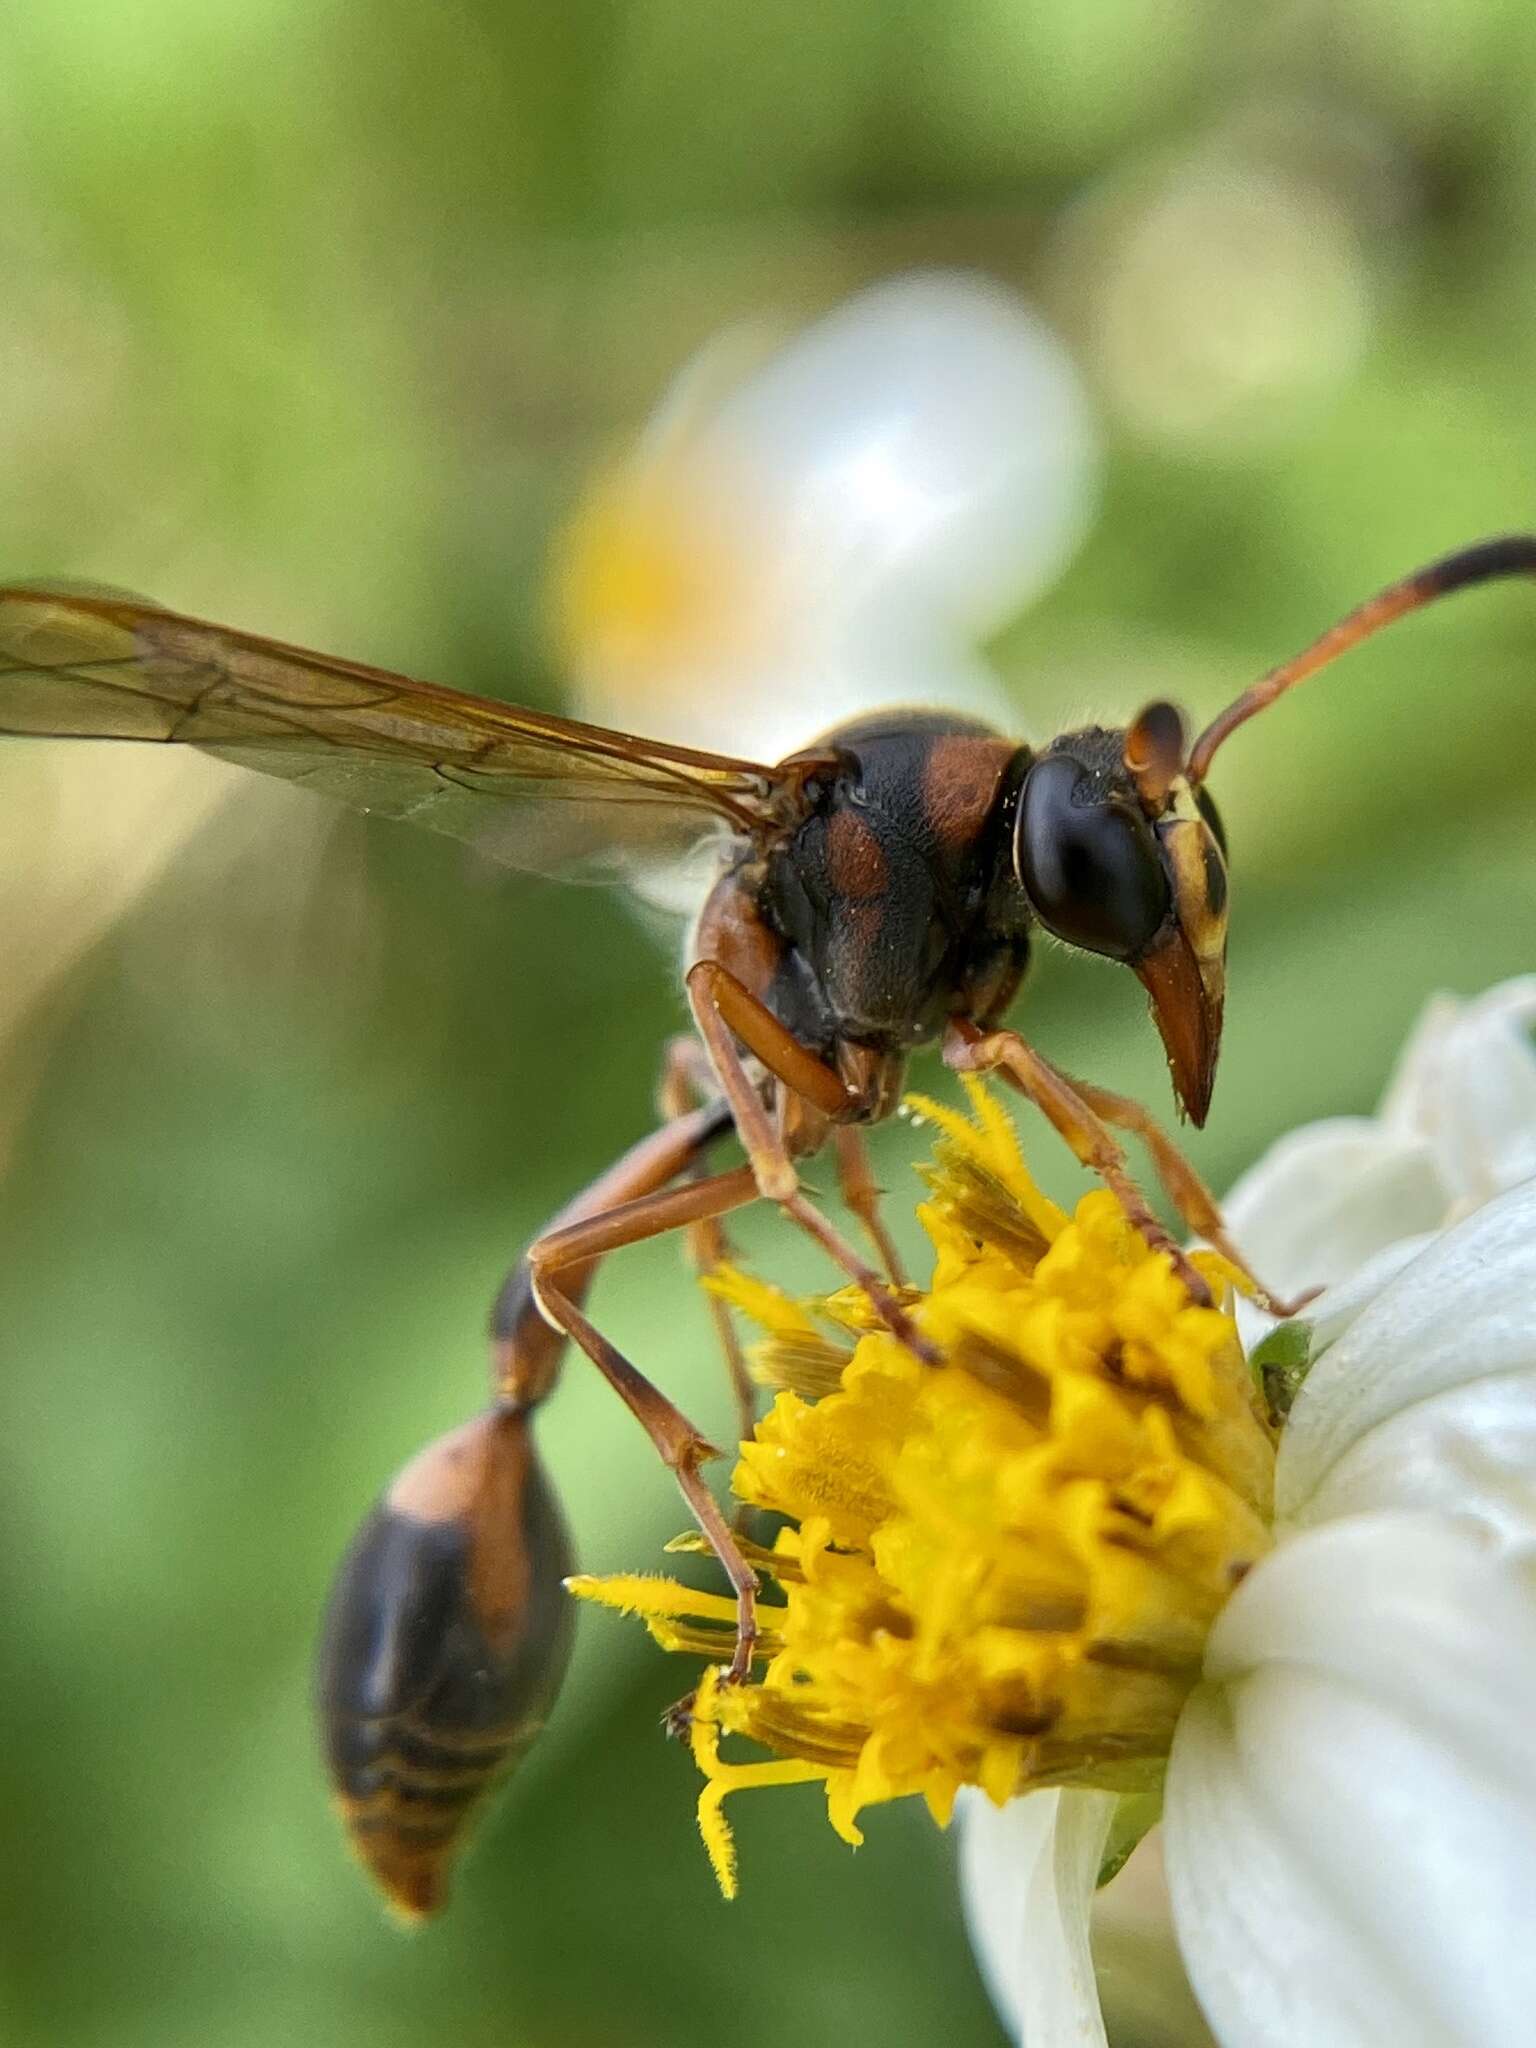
[(312, 318)]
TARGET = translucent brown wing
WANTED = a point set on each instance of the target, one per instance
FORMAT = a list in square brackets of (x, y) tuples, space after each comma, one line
[(87, 666)]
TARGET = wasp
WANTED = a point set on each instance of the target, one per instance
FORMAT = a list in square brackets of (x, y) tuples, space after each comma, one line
[(874, 893)]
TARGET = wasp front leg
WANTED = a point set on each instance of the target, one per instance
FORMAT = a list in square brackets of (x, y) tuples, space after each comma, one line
[(725, 1012), (970, 1050), (1196, 1205), (861, 1193)]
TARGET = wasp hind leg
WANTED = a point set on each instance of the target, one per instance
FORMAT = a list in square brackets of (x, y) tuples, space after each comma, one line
[(682, 1447), (448, 1628)]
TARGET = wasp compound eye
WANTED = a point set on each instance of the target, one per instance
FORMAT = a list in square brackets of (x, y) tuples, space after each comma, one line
[(444, 1646), (1091, 869)]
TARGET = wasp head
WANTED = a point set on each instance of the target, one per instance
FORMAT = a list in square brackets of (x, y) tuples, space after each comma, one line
[(1120, 853)]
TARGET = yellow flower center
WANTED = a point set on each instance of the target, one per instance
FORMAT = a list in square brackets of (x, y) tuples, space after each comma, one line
[(1001, 1571)]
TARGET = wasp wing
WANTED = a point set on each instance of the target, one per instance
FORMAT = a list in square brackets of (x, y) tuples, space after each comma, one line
[(97, 666)]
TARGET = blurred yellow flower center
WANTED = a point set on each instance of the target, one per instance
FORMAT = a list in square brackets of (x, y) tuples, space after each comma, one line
[(1001, 1571), (645, 580)]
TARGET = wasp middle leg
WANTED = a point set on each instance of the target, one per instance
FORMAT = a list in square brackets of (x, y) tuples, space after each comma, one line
[(726, 1011), (687, 1079)]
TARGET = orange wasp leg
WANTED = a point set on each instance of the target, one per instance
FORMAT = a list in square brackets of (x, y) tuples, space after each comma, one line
[(572, 1249), (1186, 1190), (448, 1631), (724, 1011), (970, 1050), (525, 1349), (687, 1079), (862, 1194)]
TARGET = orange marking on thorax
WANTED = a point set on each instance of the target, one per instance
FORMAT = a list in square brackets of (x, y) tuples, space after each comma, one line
[(960, 784)]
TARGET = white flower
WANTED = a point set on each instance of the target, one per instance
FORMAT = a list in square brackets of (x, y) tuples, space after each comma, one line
[(1456, 1126), (1350, 1816), (830, 527)]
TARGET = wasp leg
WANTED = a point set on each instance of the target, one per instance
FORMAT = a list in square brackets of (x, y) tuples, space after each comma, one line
[(680, 1445), (448, 1628), (862, 1195), (1188, 1193), (724, 1011), (970, 1050), (688, 1079), (525, 1348)]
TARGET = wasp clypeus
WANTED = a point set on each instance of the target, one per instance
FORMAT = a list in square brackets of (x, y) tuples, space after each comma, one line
[(873, 893)]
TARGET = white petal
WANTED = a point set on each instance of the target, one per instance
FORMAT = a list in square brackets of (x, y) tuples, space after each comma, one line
[(1326, 1197), (1468, 1451), (1143, 1985), (1331, 1314), (1419, 1061), (1464, 1309), (928, 440), (1467, 1082), (1027, 1874), (1351, 1809), (832, 527)]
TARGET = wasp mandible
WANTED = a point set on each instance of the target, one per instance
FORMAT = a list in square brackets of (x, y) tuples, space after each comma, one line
[(874, 893)]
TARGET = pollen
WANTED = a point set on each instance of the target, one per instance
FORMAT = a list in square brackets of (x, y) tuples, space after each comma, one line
[(999, 1571)]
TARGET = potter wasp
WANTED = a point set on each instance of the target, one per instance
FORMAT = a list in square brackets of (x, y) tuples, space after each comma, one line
[(872, 894)]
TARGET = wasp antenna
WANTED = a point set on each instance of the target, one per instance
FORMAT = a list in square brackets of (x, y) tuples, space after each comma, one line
[(1154, 753), (1485, 562)]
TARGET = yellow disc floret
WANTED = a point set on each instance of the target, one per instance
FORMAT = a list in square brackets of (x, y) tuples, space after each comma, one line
[(1000, 1571)]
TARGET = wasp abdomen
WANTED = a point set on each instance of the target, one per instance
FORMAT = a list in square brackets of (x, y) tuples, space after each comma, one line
[(444, 1645)]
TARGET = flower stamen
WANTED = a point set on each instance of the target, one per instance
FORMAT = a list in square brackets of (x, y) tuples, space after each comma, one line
[(999, 1571)]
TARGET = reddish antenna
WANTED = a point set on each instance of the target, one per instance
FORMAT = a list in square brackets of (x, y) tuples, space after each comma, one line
[(1485, 562)]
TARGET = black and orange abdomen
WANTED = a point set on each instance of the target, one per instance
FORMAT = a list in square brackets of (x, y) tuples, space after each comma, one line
[(444, 1645)]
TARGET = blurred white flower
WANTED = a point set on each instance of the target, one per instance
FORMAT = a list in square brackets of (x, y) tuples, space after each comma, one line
[(809, 532), (1350, 1813)]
